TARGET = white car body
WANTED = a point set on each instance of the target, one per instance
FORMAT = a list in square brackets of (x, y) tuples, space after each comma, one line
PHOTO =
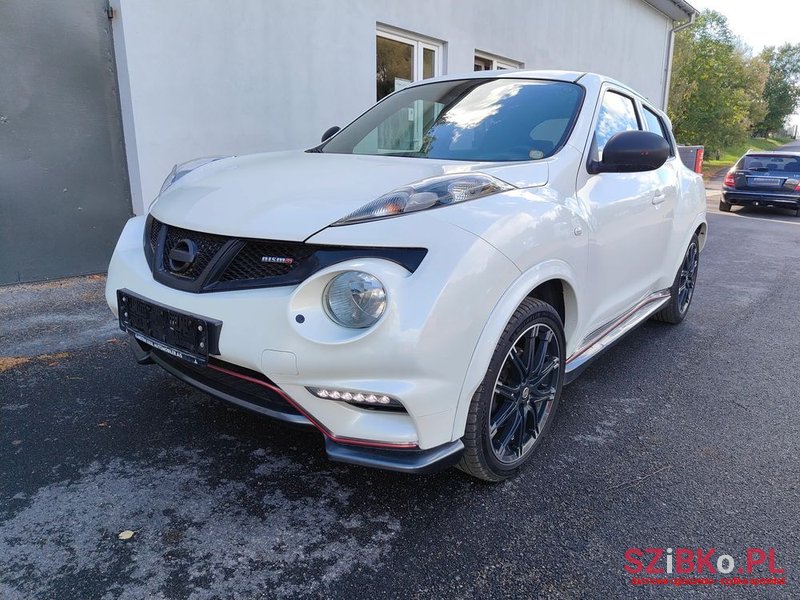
[(613, 241)]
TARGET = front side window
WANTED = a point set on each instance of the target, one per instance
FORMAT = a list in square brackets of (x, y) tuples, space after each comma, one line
[(617, 113), (468, 119), (401, 60)]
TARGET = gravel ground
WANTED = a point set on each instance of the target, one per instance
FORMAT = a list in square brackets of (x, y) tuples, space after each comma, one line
[(683, 436)]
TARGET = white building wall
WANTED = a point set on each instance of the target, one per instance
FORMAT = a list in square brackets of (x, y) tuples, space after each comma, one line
[(206, 77)]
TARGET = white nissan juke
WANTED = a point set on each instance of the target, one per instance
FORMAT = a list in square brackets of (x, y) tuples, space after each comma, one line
[(420, 285)]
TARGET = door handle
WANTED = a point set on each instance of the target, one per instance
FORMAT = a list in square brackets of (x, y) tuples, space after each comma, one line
[(659, 196)]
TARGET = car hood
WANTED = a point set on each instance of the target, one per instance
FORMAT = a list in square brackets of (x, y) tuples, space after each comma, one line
[(292, 195)]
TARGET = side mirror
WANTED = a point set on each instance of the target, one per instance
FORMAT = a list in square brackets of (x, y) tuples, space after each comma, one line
[(330, 132), (631, 152)]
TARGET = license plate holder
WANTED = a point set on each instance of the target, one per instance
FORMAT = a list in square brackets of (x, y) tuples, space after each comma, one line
[(181, 334), (770, 182)]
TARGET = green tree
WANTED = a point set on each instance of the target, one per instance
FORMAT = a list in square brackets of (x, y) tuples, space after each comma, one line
[(716, 92), (782, 89)]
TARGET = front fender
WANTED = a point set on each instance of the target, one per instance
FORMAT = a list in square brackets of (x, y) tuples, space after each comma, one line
[(499, 317)]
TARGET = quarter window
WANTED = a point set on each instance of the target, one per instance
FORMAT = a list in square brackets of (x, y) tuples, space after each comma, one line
[(617, 113), (402, 59)]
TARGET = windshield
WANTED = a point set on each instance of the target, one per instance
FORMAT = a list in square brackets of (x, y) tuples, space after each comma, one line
[(771, 163), (472, 119)]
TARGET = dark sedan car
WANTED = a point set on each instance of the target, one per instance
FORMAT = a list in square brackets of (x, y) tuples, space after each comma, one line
[(770, 179)]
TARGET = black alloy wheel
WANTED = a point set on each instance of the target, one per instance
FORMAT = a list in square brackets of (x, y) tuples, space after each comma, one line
[(516, 403), (524, 392), (682, 290), (688, 277)]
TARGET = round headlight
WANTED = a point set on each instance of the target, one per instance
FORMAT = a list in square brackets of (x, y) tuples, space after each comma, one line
[(355, 299)]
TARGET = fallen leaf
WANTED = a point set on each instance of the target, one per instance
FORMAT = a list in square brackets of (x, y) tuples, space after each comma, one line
[(10, 362), (52, 360), (126, 535)]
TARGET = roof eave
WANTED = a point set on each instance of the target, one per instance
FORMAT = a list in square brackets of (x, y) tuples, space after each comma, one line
[(677, 10)]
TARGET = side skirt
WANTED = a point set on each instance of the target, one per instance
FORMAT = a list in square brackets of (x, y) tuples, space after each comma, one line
[(609, 334)]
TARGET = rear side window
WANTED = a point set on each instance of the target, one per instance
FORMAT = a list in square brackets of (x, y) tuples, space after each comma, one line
[(771, 163), (656, 125), (617, 113)]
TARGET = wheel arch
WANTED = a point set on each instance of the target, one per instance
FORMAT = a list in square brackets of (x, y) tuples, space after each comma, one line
[(702, 234), (699, 228), (553, 282)]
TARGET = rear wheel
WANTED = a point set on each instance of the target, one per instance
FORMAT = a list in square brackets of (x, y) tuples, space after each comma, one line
[(724, 206), (516, 403), (682, 290)]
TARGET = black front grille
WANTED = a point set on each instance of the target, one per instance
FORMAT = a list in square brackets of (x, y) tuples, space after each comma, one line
[(208, 245), (231, 263), (261, 260)]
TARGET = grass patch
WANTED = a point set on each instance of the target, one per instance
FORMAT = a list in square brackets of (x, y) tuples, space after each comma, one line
[(730, 155)]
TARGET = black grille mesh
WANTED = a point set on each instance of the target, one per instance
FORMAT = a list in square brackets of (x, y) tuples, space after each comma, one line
[(240, 263), (155, 230), (259, 260), (208, 245)]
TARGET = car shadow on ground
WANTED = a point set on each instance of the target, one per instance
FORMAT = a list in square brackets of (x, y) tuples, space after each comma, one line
[(783, 215)]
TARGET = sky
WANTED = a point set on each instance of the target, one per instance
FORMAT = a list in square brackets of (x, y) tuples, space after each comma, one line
[(760, 24)]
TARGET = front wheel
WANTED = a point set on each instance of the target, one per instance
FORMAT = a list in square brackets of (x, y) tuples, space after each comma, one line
[(517, 400), (682, 290)]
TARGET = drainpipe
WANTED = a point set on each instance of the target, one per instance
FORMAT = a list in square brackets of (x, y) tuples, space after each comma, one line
[(670, 46)]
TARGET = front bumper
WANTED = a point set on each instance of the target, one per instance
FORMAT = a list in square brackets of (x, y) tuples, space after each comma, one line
[(765, 199), (264, 401), (418, 352)]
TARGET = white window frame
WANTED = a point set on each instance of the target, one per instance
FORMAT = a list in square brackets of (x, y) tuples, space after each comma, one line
[(498, 62), (420, 43)]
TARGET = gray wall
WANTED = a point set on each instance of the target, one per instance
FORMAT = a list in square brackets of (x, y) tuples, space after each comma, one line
[(64, 193)]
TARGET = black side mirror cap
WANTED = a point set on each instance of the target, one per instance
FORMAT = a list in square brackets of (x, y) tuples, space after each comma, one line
[(632, 152), (330, 132)]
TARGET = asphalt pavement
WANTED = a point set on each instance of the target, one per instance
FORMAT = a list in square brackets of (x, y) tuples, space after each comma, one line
[(684, 436)]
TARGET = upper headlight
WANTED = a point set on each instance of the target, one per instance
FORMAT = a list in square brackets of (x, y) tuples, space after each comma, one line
[(182, 169), (428, 193), (355, 299)]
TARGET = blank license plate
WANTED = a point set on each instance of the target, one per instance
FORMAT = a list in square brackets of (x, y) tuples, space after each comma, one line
[(765, 181)]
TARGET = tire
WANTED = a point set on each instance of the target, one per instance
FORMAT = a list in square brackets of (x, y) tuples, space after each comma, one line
[(522, 412), (682, 290), (724, 206)]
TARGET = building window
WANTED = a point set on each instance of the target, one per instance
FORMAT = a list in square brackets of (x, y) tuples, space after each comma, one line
[(487, 62), (402, 58)]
